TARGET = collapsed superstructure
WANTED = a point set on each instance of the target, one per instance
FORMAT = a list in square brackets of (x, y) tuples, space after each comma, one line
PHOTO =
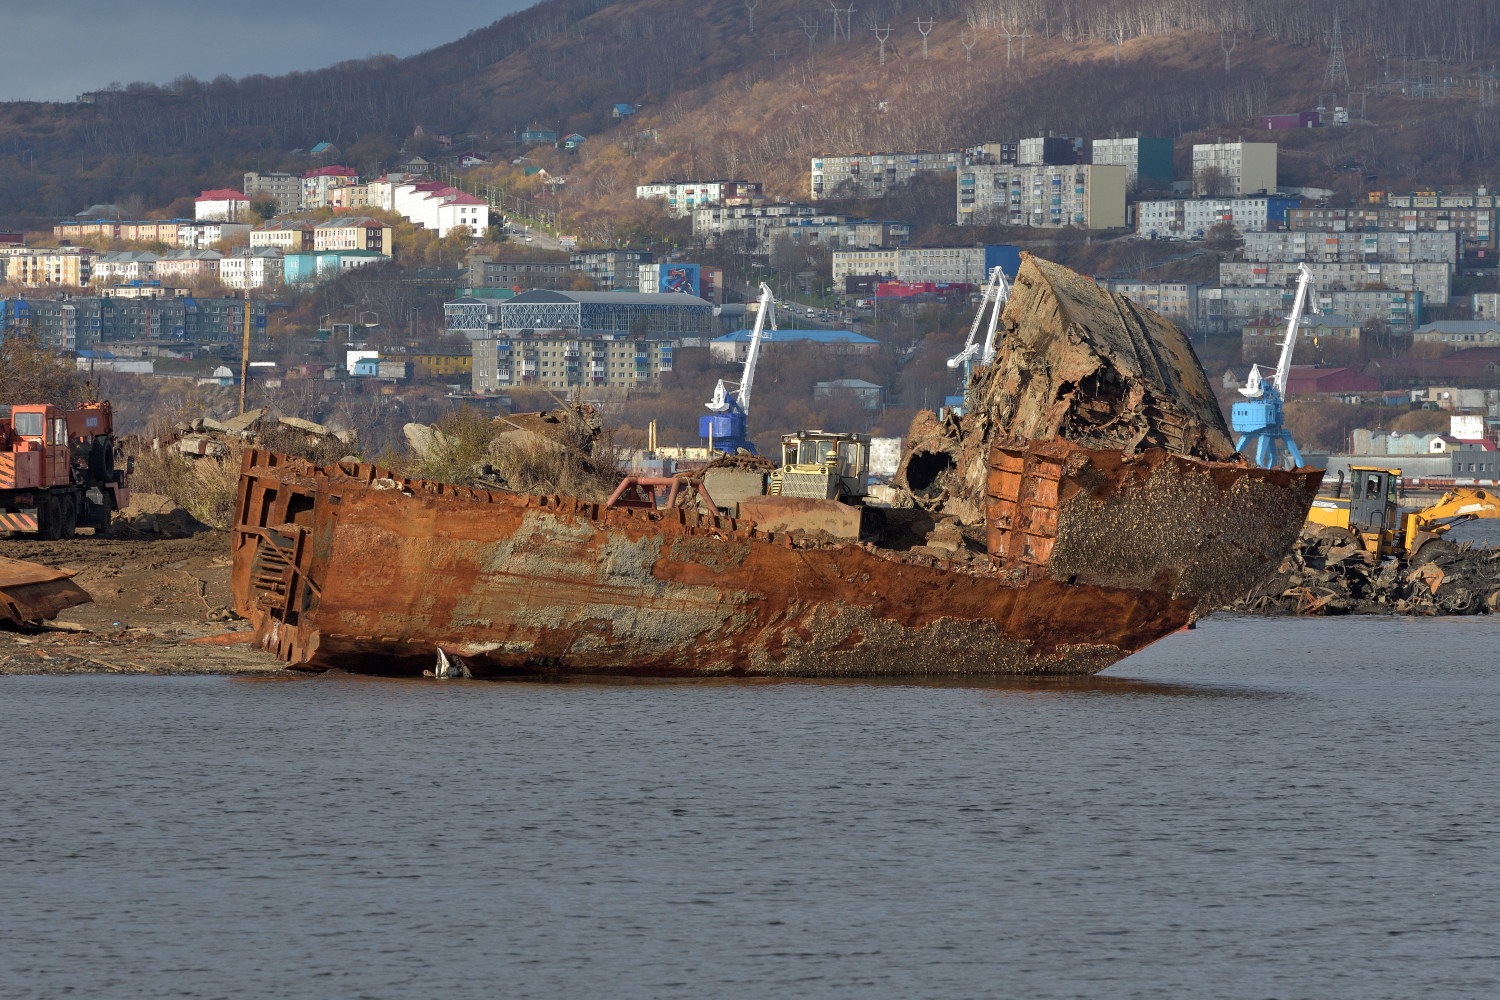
[(1088, 504)]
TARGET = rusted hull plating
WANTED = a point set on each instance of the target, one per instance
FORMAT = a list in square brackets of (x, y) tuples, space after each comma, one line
[(351, 567), (31, 593)]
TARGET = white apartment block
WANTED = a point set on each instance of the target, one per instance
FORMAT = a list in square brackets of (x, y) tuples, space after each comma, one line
[(1337, 247), (1050, 197), (683, 197), (1240, 304), (115, 266), (1432, 279), (434, 205), (221, 204), (257, 268), (1243, 167), (284, 189), (187, 265), (941, 265), (1177, 300), (873, 175), (863, 263), (353, 234), (1486, 305), (202, 235), (316, 185), (1191, 218)]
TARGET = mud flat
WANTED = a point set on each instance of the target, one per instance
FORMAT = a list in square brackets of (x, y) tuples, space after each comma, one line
[(154, 600)]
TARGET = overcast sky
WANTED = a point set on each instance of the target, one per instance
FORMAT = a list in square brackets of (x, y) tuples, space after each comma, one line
[(56, 51)]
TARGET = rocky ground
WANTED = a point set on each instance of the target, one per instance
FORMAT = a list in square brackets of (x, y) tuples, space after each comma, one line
[(155, 600)]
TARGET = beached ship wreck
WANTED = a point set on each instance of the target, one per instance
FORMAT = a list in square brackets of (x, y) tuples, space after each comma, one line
[(1088, 503)]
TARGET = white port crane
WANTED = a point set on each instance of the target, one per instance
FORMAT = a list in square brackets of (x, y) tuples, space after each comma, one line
[(730, 405), (996, 292)]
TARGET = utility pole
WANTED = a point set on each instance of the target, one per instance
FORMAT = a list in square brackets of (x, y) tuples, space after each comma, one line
[(245, 354)]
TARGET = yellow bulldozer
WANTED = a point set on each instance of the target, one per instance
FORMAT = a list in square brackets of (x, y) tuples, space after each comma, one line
[(1372, 512)]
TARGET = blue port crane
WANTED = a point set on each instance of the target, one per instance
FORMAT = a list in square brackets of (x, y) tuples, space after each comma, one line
[(725, 428), (1258, 417)]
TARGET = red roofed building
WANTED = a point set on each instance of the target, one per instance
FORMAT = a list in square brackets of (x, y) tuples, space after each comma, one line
[(221, 205), (434, 205), (1303, 382)]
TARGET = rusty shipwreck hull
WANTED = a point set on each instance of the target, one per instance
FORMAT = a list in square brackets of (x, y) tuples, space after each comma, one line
[(351, 566), (31, 593)]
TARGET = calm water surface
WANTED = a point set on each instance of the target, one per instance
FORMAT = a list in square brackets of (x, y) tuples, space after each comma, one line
[(1253, 809)]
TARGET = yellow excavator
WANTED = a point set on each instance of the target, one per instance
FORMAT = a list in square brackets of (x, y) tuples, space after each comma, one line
[(1372, 512)]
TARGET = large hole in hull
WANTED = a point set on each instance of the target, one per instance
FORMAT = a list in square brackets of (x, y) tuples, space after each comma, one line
[(924, 468)]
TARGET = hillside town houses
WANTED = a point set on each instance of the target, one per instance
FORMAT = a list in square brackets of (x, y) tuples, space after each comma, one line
[(613, 317)]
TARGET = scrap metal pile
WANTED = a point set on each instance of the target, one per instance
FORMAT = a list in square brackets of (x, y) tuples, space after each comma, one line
[(1329, 573)]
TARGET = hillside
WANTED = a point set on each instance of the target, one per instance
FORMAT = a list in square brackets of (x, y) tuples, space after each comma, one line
[(720, 100)]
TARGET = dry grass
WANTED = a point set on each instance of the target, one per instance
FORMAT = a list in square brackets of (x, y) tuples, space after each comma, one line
[(204, 487), (572, 456)]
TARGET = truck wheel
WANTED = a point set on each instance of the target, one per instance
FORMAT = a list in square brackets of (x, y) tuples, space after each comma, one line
[(68, 522), (49, 519)]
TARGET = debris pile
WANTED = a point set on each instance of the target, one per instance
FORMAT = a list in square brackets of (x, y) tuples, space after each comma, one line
[(1074, 363), (205, 437), (1329, 573)]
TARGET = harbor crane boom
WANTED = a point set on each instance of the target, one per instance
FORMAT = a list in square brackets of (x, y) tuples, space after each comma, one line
[(978, 353), (1259, 417), (724, 429)]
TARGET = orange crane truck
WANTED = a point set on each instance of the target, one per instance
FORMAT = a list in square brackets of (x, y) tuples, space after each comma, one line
[(57, 469)]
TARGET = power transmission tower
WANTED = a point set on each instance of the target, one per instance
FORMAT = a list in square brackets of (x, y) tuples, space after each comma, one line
[(1337, 70), (881, 34), (968, 41), (1010, 40), (810, 28), (1025, 34), (837, 10), (751, 8), (924, 28), (848, 21)]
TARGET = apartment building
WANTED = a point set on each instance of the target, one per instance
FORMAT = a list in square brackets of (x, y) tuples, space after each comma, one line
[(123, 265), (437, 206), (617, 270), (353, 234), (1147, 161), (563, 361), (202, 235), (222, 204), (874, 175), (284, 235), (256, 267), (38, 268), (316, 185), (1234, 169), (284, 189), (485, 272), (1432, 279), (1335, 247), (1175, 299), (864, 263), (1082, 196), (188, 265), (683, 197), (80, 323), (1402, 309), (1472, 216), (1192, 218)]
